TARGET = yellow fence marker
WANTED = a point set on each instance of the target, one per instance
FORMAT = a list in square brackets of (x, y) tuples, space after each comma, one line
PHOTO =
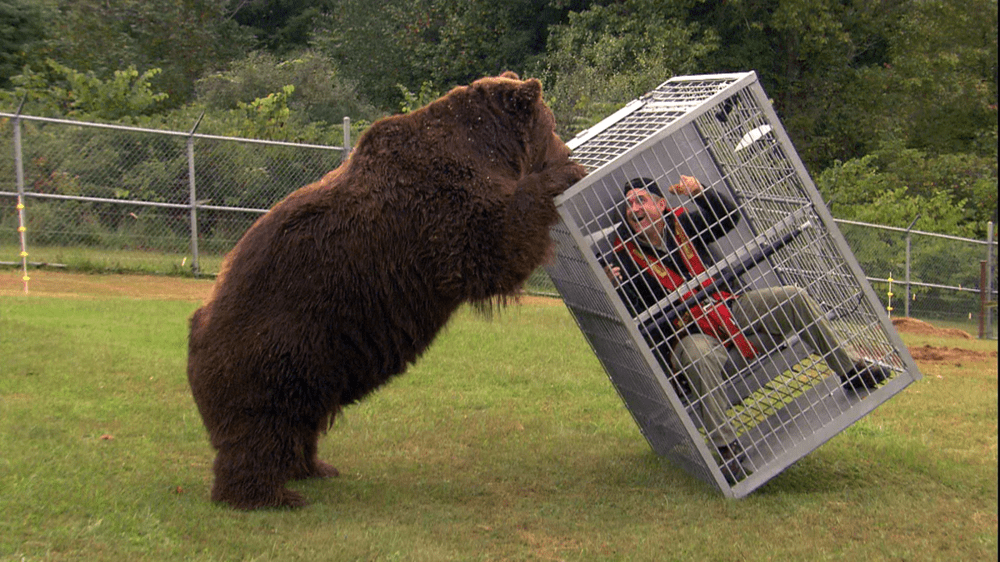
[(888, 307), (21, 229)]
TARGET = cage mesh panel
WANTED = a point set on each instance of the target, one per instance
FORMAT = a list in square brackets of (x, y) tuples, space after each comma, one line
[(790, 397), (662, 105)]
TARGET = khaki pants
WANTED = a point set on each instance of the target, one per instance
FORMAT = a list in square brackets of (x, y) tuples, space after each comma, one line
[(779, 311)]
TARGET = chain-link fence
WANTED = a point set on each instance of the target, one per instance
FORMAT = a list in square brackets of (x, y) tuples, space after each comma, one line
[(933, 276), (109, 198), (106, 197)]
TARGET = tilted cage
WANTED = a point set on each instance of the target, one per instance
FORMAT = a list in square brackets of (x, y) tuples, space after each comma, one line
[(739, 218)]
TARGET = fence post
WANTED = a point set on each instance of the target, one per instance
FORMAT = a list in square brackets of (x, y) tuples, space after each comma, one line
[(906, 304), (347, 139), (983, 297), (193, 197), (22, 226), (986, 285)]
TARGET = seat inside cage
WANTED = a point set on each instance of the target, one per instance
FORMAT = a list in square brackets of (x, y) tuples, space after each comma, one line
[(729, 317)]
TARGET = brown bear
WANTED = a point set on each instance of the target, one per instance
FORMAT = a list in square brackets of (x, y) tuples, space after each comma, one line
[(347, 281)]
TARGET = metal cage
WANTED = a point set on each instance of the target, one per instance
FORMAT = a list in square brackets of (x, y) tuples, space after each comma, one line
[(784, 397)]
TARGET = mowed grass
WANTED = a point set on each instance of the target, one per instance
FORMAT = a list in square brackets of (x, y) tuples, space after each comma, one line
[(114, 260), (505, 442)]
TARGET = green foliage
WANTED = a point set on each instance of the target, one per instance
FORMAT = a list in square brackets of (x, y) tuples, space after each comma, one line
[(61, 90), (360, 42), (455, 42), (849, 78), (953, 193), (414, 101), (22, 27), (943, 77), (267, 117), (607, 55), (445, 42), (321, 93), (280, 26), (183, 38)]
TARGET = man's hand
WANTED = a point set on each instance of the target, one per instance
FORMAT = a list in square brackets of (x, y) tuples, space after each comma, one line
[(614, 274), (688, 186)]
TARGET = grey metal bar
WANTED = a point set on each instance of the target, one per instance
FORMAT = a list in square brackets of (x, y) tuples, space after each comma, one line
[(167, 132), (906, 303), (988, 285), (929, 285), (193, 197), (347, 137), (22, 225), (134, 202), (898, 229)]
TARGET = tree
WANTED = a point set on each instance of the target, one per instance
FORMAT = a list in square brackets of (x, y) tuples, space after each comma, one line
[(443, 42), (22, 28), (63, 91), (814, 58), (953, 193), (942, 85), (849, 75), (607, 55), (280, 26), (183, 38), (320, 94)]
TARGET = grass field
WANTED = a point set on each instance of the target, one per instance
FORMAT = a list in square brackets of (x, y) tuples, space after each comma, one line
[(505, 442)]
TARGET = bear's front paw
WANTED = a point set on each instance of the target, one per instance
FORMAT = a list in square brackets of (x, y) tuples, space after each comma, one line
[(563, 176)]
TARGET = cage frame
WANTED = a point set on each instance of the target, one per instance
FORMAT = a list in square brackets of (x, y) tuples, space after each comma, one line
[(577, 271)]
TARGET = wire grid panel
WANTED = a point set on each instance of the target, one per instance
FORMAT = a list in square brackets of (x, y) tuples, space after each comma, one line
[(737, 409)]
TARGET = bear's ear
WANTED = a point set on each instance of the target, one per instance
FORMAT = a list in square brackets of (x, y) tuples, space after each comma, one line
[(510, 74), (527, 94)]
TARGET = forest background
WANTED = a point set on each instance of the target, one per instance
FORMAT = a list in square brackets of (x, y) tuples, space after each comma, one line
[(892, 104)]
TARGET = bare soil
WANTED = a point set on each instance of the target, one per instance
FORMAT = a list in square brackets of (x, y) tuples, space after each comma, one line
[(919, 327), (932, 354), (60, 284), (83, 286)]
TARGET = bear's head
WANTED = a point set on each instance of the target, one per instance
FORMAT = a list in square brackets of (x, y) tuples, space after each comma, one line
[(504, 118)]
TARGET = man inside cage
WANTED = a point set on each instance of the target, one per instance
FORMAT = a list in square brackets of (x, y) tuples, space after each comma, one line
[(663, 248)]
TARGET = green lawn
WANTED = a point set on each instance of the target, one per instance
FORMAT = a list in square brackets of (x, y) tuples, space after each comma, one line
[(505, 442), (96, 259)]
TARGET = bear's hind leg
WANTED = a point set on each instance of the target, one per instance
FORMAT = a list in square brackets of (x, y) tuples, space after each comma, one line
[(251, 471), (307, 464)]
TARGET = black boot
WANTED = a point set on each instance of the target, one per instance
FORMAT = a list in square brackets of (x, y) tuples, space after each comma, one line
[(865, 374), (733, 456)]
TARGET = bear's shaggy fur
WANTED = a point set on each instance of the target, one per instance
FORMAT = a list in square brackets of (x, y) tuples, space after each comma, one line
[(347, 281)]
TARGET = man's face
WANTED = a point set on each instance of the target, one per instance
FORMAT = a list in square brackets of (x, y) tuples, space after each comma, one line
[(644, 214)]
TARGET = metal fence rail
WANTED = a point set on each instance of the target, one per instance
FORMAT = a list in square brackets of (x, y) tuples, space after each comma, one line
[(930, 276), (108, 197)]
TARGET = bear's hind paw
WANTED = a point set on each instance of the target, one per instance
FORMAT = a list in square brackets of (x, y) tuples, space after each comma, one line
[(281, 498), (319, 469), (325, 470)]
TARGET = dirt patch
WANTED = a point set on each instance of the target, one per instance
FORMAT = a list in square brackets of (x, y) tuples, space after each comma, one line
[(919, 327), (929, 354), (537, 301), (84, 286), (932, 354)]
